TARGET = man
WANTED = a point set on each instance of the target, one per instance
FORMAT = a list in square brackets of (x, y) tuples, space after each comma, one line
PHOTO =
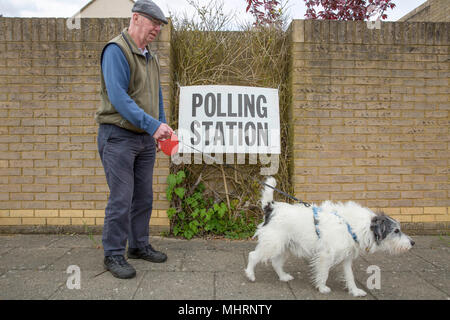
[(131, 117)]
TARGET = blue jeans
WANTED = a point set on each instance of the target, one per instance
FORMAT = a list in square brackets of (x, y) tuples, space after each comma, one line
[(128, 159)]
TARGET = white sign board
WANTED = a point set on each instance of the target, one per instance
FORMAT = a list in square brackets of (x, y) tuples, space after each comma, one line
[(229, 119)]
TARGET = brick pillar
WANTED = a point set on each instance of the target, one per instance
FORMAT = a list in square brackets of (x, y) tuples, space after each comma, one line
[(50, 170), (370, 116)]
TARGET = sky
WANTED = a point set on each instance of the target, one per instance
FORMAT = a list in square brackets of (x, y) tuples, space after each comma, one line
[(68, 8)]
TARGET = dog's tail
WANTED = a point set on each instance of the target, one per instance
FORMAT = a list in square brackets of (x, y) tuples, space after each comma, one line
[(266, 203), (267, 193), (267, 199)]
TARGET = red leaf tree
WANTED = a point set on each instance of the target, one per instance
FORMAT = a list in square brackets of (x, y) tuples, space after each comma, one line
[(267, 11), (347, 9)]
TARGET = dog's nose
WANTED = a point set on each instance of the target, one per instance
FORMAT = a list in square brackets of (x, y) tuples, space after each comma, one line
[(412, 242)]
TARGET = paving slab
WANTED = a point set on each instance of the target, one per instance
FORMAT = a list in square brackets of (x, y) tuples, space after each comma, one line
[(30, 284), (31, 258), (440, 279), (174, 262), (427, 242), (234, 245), (161, 243), (265, 287), (78, 241), (28, 240), (439, 257), (104, 286), (403, 285), (161, 285), (213, 260), (5, 250), (34, 267), (87, 259), (301, 286), (304, 289)]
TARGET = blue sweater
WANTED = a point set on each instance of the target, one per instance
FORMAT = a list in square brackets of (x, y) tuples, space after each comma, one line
[(116, 73)]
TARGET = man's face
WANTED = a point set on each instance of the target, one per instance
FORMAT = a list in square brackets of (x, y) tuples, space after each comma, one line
[(149, 27)]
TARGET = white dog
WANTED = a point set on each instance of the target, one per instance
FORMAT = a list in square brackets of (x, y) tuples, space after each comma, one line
[(327, 235)]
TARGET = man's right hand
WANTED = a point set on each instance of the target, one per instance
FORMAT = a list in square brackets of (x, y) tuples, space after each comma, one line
[(163, 132)]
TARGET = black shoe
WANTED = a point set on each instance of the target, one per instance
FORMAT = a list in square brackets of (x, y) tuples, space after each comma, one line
[(147, 253), (119, 267)]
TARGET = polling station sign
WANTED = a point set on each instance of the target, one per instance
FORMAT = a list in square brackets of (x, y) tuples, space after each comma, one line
[(229, 119)]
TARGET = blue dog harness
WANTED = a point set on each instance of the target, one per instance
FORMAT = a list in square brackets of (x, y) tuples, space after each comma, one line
[(316, 211)]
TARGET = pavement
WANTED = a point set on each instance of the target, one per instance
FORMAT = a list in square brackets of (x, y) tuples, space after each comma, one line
[(38, 267)]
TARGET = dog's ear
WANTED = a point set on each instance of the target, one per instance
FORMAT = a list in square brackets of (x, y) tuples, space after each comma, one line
[(379, 227)]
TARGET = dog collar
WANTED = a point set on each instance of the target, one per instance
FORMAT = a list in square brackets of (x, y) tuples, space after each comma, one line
[(316, 211)]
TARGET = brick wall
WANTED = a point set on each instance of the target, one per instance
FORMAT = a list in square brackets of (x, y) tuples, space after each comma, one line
[(370, 120), (50, 170), (431, 11), (371, 117)]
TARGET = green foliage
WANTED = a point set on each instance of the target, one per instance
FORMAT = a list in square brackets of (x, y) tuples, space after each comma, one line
[(198, 215)]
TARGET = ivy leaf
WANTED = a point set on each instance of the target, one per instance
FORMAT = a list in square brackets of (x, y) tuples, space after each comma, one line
[(171, 180), (188, 234), (171, 212), (180, 192), (180, 176)]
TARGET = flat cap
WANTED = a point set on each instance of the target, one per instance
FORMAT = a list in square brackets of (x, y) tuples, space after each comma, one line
[(149, 8)]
